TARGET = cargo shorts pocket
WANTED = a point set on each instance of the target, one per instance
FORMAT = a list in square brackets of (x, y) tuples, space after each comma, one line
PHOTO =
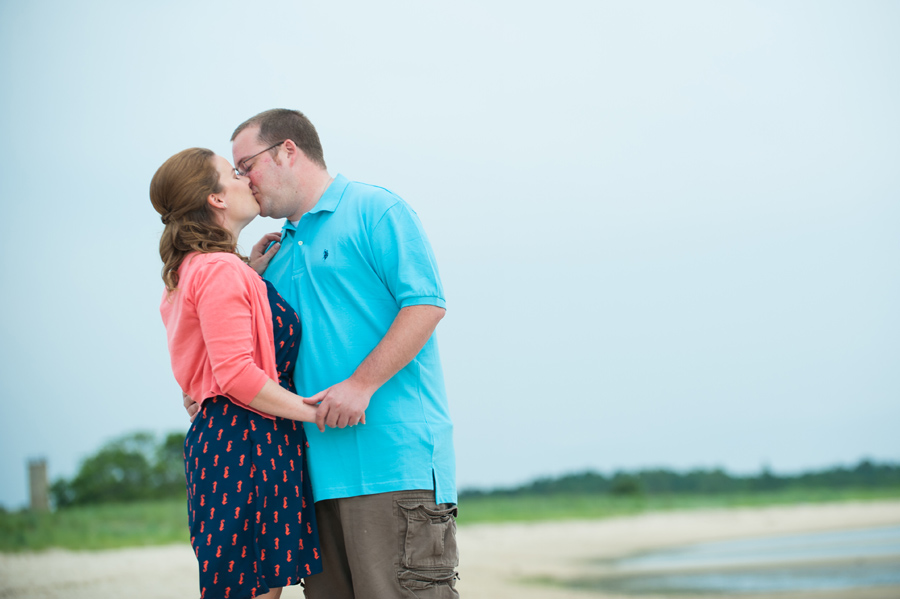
[(428, 553), (438, 583), (428, 535)]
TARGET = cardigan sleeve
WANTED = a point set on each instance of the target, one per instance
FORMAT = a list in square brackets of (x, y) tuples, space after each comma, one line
[(225, 312)]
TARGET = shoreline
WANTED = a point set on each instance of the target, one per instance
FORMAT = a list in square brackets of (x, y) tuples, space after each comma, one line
[(496, 557), (498, 561)]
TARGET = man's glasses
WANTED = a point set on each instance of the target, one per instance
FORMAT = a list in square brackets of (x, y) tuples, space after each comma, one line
[(243, 169)]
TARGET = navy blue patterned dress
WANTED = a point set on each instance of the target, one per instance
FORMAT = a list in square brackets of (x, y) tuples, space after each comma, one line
[(250, 505)]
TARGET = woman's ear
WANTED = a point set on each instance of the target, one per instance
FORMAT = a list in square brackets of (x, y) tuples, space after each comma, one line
[(216, 202)]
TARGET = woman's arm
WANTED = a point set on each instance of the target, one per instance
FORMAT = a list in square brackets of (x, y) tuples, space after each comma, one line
[(272, 399), (276, 400), (225, 312)]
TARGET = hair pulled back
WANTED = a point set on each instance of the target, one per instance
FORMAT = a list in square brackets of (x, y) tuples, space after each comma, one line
[(179, 192)]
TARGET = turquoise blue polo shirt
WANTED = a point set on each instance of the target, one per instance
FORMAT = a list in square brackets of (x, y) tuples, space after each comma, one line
[(347, 267)]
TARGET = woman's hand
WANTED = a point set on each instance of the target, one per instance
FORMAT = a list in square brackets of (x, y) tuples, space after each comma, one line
[(275, 400), (259, 257)]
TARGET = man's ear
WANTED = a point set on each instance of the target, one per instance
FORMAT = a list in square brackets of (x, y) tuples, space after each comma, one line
[(293, 152)]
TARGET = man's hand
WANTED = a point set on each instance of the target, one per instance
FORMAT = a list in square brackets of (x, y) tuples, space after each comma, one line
[(190, 405), (345, 404), (259, 257), (341, 405)]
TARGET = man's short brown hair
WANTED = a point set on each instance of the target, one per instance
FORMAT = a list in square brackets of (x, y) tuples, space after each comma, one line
[(280, 124)]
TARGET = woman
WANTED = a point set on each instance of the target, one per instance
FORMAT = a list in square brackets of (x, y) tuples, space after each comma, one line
[(231, 337)]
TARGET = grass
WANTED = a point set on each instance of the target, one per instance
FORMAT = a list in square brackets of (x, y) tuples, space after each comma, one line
[(534, 508), (105, 526), (113, 526)]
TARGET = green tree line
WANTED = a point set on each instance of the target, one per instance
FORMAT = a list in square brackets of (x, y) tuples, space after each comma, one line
[(136, 467), (865, 475), (139, 467)]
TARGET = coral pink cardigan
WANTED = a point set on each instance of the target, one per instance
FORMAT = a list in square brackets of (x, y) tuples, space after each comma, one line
[(219, 326)]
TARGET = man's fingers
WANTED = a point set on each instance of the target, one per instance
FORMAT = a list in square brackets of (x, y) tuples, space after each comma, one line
[(314, 399), (349, 418), (192, 408), (332, 419), (320, 417), (190, 405)]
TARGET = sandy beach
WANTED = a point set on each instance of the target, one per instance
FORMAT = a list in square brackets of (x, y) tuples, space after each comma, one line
[(494, 558)]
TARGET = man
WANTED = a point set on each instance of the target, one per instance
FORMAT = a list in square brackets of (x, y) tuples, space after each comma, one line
[(355, 263)]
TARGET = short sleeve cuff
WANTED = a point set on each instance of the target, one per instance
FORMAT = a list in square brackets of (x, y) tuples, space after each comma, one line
[(423, 301)]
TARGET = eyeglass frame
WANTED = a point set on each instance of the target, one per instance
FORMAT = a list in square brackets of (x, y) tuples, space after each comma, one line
[(243, 171)]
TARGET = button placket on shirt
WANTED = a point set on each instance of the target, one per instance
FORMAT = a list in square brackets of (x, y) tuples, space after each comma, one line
[(297, 255)]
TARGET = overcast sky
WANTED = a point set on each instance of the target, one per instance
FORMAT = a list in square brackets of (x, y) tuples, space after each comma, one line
[(668, 232)]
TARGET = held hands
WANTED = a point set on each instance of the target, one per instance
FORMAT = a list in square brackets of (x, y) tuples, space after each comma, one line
[(259, 258), (341, 405), (289, 409)]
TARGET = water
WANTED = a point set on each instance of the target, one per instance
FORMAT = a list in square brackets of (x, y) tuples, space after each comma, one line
[(808, 562), (845, 544)]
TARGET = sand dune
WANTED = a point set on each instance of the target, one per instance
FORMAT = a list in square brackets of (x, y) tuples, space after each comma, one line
[(495, 558)]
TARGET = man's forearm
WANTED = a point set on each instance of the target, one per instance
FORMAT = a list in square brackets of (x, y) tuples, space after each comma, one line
[(411, 329)]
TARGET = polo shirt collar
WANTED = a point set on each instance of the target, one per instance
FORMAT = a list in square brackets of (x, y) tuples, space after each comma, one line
[(327, 203), (287, 227), (332, 196)]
